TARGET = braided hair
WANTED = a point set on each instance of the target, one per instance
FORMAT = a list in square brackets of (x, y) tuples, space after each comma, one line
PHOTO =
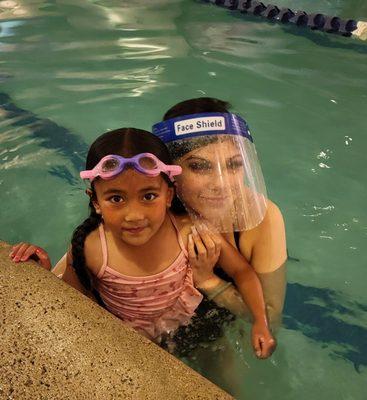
[(125, 142), (77, 244)]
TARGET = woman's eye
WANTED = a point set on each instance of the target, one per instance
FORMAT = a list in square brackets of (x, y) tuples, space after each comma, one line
[(200, 166), (234, 164), (150, 196), (116, 199)]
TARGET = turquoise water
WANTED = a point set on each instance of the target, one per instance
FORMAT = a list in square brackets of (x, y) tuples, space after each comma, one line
[(72, 70)]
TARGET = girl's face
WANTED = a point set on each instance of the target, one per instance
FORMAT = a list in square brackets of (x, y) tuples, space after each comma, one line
[(210, 178), (133, 205)]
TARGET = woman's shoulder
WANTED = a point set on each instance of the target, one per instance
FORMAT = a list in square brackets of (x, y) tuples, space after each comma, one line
[(273, 216), (266, 243), (273, 220)]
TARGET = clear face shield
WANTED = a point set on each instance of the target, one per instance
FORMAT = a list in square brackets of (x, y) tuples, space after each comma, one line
[(221, 180)]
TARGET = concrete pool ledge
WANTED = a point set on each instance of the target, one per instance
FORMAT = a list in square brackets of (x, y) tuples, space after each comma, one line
[(56, 343)]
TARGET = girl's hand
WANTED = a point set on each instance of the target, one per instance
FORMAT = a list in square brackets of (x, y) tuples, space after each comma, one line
[(204, 250), (262, 341), (25, 251)]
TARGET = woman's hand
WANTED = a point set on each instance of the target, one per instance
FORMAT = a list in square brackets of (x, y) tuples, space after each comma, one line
[(204, 250), (25, 251), (262, 341)]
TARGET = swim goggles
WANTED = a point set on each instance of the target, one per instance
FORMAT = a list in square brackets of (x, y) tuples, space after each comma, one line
[(146, 163)]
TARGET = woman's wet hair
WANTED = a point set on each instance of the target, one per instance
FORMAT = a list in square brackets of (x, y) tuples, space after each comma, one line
[(125, 142), (198, 105)]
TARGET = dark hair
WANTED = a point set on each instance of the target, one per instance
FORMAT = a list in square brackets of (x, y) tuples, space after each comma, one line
[(199, 105), (126, 142)]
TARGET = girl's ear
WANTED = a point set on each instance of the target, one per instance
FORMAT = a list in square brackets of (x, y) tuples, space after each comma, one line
[(94, 201), (170, 194)]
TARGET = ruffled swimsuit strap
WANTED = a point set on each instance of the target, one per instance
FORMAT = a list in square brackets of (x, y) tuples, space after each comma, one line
[(102, 237), (179, 237)]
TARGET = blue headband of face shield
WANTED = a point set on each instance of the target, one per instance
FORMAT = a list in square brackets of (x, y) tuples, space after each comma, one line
[(193, 125)]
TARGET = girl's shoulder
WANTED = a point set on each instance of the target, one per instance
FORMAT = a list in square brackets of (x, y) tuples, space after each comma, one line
[(182, 220), (93, 251), (184, 224)]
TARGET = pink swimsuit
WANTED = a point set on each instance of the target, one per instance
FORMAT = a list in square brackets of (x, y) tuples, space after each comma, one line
[(154, 304)]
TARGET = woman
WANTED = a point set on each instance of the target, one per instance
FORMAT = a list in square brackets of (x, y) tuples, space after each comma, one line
[(222, 184)]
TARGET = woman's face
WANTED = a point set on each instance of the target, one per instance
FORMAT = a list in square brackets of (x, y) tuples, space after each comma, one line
[(211, 177)]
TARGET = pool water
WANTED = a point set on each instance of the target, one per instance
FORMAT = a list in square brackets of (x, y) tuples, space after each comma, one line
[(72, 70)]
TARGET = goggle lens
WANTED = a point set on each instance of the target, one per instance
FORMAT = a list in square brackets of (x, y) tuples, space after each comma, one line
[(147, 163), (110, 165)]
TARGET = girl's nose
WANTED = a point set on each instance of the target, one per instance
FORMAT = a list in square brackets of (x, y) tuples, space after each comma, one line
[(133, 213)]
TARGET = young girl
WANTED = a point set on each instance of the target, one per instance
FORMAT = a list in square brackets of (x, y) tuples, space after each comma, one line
[(131, 251)]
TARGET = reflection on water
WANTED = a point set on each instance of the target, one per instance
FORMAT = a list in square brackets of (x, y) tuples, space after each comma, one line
[(45, 133), (127, 34)]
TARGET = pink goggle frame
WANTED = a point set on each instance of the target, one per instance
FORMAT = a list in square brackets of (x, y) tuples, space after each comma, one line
[(146, 163)]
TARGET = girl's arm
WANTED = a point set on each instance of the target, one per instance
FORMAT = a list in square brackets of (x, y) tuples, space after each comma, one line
[(204, 250), (25, 251), (223, 294), (249, 286), (265, 247), (273, 285), (203, 243), (202, 265), (274, 288), (247, 282), (64, 267)]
